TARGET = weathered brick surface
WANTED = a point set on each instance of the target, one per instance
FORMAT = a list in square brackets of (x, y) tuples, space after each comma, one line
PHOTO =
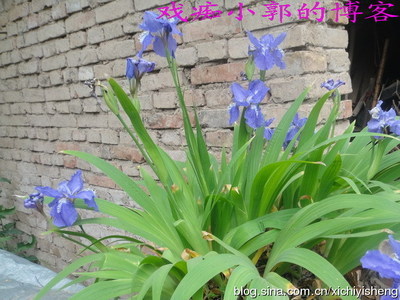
[(48, 48), (59, 11), (187, 56), (80, 21), (220, 73), (127, 153), (51, 31), (54, 62), (18, 11), (144, 5), (95, 35), (208, 29), (212, 50), (81, 57), (165, 100), (77, 39), (338, 60), (111, 50), (28, 67), (118, 8)]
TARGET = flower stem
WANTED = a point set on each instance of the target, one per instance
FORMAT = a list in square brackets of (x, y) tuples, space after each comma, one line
[(142, 151), (262, 75), (190, 137), (78, 243)]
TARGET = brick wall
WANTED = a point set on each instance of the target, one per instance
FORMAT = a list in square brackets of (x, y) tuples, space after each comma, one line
[(49, 47)]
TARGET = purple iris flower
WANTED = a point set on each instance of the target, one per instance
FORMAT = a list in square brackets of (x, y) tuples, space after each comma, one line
[(34, 201), (331, 84), (383, 121), (268, 132), (294, 128), (159, 31), (249, 98), (62, 207), (386, 263), (254, 117), (136, 68), (266, 52)]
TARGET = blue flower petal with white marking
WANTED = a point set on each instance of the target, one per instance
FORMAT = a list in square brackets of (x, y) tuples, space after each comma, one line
[(383, 121), (62, 207), (136, 68), (63, 213), (331, 84), (268, 132), (386, 264), (159, 31), (266, 52), (34, 201), (294, 128), (249, 98)]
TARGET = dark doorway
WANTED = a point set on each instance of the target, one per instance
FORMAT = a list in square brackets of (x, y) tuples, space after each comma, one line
[(374, 50)]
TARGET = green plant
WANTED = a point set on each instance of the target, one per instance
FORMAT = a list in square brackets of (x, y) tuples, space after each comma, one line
[(9, 233), (257, 219)]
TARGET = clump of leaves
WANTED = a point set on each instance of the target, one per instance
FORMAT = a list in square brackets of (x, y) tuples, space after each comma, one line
[(9, 233)]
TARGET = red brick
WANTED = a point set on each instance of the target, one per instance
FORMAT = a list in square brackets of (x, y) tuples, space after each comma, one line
[(207, 29), (127, 153), (194, 97), (218, 97), (222, 138), (163, 121), (67, 146), (70, 162), (100, 180), (346, 109), (220, 73)]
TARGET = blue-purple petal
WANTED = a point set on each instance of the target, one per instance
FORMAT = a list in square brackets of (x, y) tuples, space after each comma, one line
[(172, 45), (374, 125), (395, 127), (291, 134), (278, 59), (136, 68), (331, 84), (233, 113), (160, 31), (145, 66), (254, 117), (301, 122), (88, 197), (267, 40), (253, 39), (64, 213), (34, 200), (259, 90), (158, 47), (279, 39), (269, 122), (174, 28), (130, 68), (390, 115), (146, 41), (263, 61), (29, 203), (48, 191), (151, 22), (266, 52), (240, 94), (268, 132), (381, 263), (75, 184)]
